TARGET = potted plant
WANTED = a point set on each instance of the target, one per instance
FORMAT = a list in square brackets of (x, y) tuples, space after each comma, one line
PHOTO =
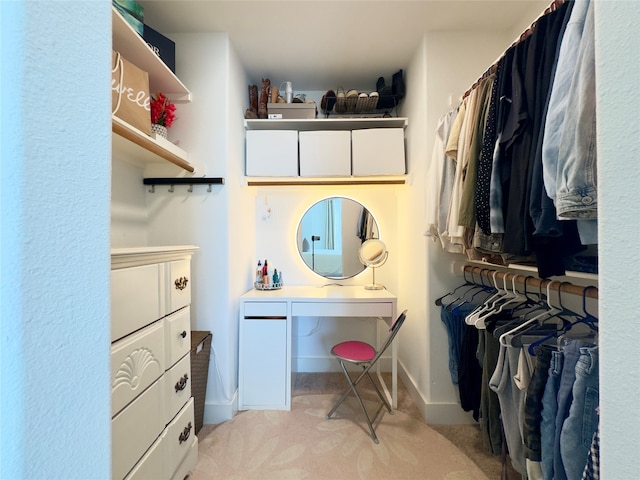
[(163, 113)]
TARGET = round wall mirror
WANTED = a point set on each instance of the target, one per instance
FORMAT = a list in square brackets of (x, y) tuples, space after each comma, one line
[(330, 234)]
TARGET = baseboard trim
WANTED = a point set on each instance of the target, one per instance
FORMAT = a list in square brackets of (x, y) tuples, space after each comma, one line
[(449, 413), (215, 412)]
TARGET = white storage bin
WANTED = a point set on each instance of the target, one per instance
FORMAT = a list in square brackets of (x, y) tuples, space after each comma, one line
[(378, 151), (272, 153), (325, 153)]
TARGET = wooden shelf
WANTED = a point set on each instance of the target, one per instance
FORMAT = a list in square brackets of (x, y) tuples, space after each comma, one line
[(323, 182), (142, 148), (326, 123), (132, 47)]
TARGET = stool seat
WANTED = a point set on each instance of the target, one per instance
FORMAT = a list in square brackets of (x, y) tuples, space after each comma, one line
[(354, 351)]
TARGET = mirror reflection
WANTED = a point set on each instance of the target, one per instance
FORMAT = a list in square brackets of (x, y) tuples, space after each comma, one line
[(330, 234)]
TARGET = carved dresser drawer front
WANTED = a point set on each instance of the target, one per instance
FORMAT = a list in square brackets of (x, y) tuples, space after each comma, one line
[(177, 336), (135, 299), (135, 428), (179, 288), (178, 385), (136, 362)]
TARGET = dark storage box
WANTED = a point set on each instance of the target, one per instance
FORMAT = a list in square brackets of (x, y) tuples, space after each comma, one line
[(162, 46), (200, 353)]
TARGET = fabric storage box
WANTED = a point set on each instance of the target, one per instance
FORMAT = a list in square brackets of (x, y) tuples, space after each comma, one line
[(272, 153), (200, 354), (163, 47), (378, 151), (325, 153), (132, 12), (291, 110)]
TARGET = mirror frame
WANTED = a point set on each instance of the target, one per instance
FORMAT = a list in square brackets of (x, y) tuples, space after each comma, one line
[(300, 243)]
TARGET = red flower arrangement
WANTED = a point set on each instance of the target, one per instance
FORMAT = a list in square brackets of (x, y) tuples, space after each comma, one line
[(163, 112)]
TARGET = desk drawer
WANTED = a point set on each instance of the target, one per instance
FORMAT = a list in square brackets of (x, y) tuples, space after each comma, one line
[(341, 309), (265, 309)]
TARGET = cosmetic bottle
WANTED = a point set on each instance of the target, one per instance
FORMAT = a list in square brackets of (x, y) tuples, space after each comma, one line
[(259, 272), (276, 279), (265, 272)]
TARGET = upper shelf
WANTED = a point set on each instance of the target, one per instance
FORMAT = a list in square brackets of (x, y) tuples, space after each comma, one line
[(132, 47), (325, 123)]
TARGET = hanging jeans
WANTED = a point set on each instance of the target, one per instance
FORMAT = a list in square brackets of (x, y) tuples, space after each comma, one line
[(579, 427), (549, 413), (570, 354)]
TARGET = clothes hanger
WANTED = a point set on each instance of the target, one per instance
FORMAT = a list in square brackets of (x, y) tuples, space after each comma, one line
[(487, 304), (513, 297), (439, 301), (529, 307), (541, 317), (586, 319), (482, 288)]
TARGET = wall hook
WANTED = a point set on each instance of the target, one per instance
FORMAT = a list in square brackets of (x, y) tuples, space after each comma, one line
[(190, 189), (171, 189), (209, 188), (152, 189)]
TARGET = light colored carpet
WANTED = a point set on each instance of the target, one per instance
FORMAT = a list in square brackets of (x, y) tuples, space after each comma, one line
[(303, 444)]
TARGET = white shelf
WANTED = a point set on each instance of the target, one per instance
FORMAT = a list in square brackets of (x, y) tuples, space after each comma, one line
[(326, 123), (140, 147), (324, 181), (132, 47)]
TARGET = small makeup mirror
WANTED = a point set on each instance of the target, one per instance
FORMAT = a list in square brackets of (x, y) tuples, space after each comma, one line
[(373, 253), (330, 234)]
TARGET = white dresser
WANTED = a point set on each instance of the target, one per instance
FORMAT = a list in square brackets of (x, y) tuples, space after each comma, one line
[(153, 427)]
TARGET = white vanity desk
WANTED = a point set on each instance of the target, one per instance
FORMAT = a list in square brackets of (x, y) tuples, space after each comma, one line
[(265, 335)]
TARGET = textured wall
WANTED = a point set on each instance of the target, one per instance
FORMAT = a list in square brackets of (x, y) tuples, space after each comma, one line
[(618, 77), (55, 267)]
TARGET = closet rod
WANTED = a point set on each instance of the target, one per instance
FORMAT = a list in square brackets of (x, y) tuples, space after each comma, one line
[(551, 8), (564, 287)]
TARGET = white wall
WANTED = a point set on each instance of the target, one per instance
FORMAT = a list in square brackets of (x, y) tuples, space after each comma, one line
[(55, 262), (618, 77), (205, 129), (444, 66)]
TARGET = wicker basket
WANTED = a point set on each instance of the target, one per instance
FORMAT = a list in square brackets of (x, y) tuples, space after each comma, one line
[(199, 372)]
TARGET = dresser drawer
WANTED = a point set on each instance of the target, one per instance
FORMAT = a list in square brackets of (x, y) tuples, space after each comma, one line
[(135, 299), (177, 336), (136, 362), (178, 438), (189, 462), (136, 428), (178, 385), (151, 466), (179, 287)]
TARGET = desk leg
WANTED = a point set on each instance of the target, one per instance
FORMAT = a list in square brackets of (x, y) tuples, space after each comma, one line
[(392, 396), (394, 373)]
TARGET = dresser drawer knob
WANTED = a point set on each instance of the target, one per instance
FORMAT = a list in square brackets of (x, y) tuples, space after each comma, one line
[(183, 334), (182, 383), (181, 283), (184, 436)]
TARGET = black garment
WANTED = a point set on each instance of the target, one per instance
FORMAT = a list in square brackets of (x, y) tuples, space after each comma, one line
[(470, 373), (552, 240), (533, 405), (485, 162)]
